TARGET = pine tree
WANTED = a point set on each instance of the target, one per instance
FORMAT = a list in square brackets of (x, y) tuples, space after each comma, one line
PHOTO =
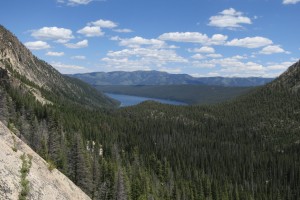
[(121, 191), (54, 142), (79, 169)]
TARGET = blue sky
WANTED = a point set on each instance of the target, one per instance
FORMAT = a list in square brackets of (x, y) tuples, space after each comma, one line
[(198, 37)]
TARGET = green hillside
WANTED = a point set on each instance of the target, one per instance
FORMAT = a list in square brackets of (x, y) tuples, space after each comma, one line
[(247, 148)]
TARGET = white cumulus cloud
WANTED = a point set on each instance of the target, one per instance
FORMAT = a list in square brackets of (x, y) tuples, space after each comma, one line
[(149, 55), (103, 23), (75, 2), (214, 55), (138, 41), (271, 49), (204, 49), (203, 64), (217, 39), (57, 54), (235, 67), (53, 33), (91, 31), (37, 45), (194, 37), (275, 69), (80, 2), (68, 69), (141, 59), (198, 56), (79, 57), (61, 65), (230, 19), (124, 30), (80, 44), (125, 64), (279, 66), (290, 1), (250, 42), (232, 66)]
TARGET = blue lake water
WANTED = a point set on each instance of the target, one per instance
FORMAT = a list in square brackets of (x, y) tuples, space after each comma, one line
[(128, 100)]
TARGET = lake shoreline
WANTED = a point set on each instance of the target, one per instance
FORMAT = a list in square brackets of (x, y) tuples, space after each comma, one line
[(131, 100)]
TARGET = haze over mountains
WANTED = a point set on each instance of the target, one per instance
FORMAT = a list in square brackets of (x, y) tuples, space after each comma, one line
[(164, 78)]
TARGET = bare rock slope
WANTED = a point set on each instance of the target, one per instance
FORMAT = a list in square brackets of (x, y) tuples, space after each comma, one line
[(43, 183), (42, 79)]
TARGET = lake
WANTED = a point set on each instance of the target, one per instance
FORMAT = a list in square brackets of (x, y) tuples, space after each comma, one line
[(128, 100)]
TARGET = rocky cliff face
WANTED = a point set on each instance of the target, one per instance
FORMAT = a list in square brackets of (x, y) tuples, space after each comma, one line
[(37, 76), (14, 54), (43, 183)]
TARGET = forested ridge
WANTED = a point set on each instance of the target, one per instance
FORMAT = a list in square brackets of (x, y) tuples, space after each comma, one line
[(247, 148), (244, 149)]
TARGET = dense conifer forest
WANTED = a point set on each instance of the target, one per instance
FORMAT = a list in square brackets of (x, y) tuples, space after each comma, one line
[(244, 149)]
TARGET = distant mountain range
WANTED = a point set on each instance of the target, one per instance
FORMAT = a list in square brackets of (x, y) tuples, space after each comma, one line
[(164, 78)]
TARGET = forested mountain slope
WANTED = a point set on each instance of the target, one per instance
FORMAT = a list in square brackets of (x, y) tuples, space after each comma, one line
[(247, 148), (244, 149)]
